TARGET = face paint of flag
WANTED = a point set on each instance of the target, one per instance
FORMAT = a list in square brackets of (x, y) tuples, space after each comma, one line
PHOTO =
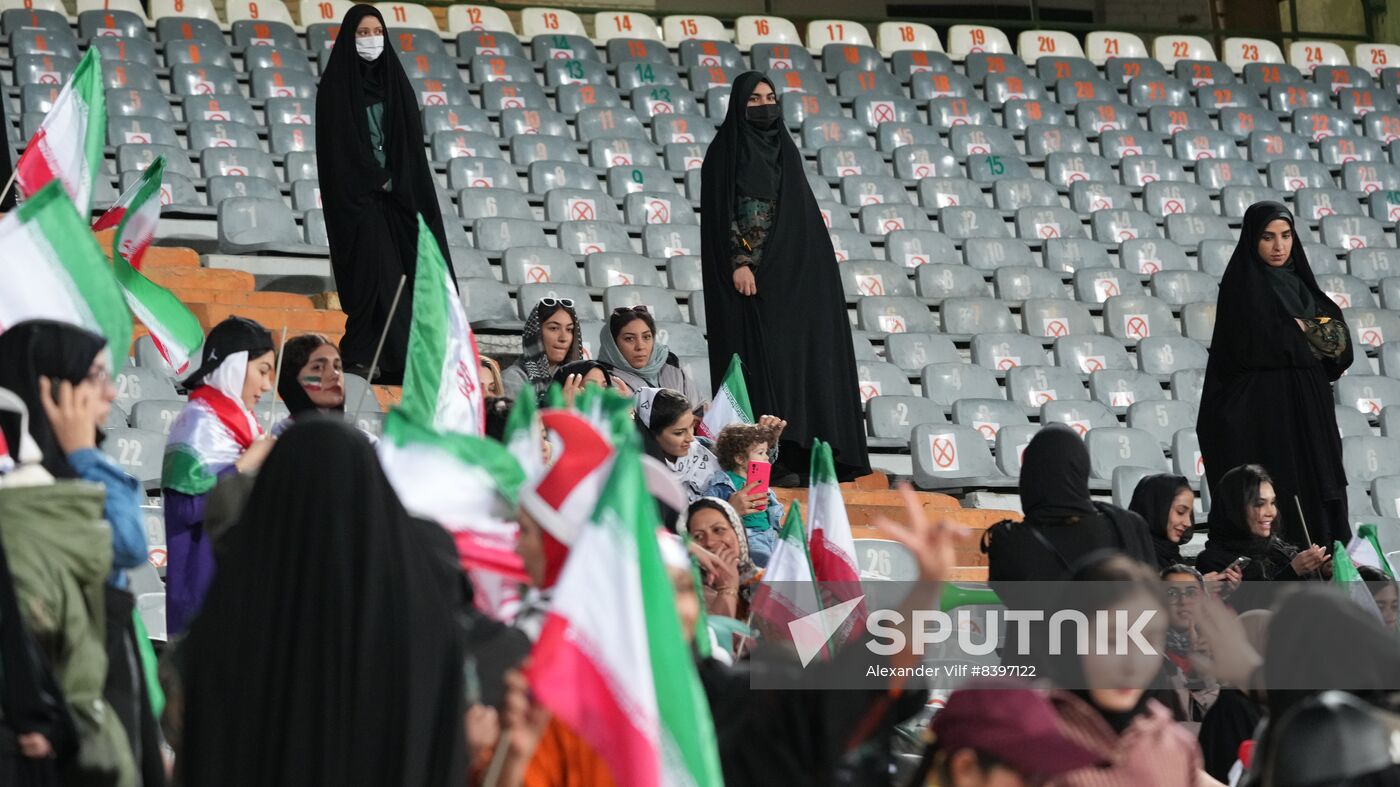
[(311, 382)]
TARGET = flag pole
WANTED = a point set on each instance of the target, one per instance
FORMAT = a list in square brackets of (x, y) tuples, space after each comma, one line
[(498, 761), (276, 375), (9, 184), (374, 364)]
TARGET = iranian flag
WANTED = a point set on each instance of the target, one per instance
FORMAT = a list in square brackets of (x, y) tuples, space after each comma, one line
[(69, 144), (829, 534), (174, 330), (731, 402), (789, 587), (524, 437), (611, 662), (442, 377), (52, 268)]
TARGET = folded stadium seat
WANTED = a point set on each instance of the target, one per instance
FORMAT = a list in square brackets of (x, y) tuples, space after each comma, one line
[(447, 145), (1087, 196), (487, 301), (138, 453), (1390, 297), (532, 120), (1118, 225), (660, 302), (1070, 254), (1353, 232), (913, 162), (271, 31), (1053, 318), (248, 225), (1218, 174), (285, 82), (950, 112), (204, 134), (1043, 123), (1165, 355), (588, 237), (1295, 96), (937, 281), (878, 110), (1336, 78), (1002, 352), (678, 156), (1241, 53), (110, 23), (798, 107), (1385, 490), (1079, 415), (1088, 353), (1040, 223), (683, 338), (880, 84), (1370, 328), (525, 149), (949, 456), (299, 165), (839, 57), (878, 378), (320, 36), (1138, 171), (499, 234), (276, 57), (240, 162), (1098, 284), (890, 420), (936, 193), (1122, 71), (463, 18), (927, 85), (610, 269), (963, 222), (1165, 198), (499, 68), (1316, 124), (1174, 120), (1240, 122), (521, 265), (1162, 418), (629, 180), (1361, 176), (1384, 205), (1374, 264), (781, 57), (1031, 387), (1066, 169), (318, 236), (879, 315), (428, 64), (649, 102), (988, 416), (1265, 76), (1198, 73), (1180, 287), (1321, 258), (945, 383), (1187, 461), (850, 245), (1117, 145), (1169, 49), (1016, 194), (635, 48), (820, 132), (472, 44), (664, 241), (702, 78), (1367, 458), (1359, 102), (1188, 230), (306, 195), (1016, 283), (710, 51), (230, 108), (970, 316), (914, 248), (200, 80), (985, 168), (682, 129), (859, 191), (1069, 92), (1390, 353), (1383, 126), (59, 43), (1132, 318), (1203, 144), (37, 18), (190, 29), (835, 215), (1119, 388), (1347, 291), (1159, 92), (973, 140), (548, 175), (136, 157), (137, 130), (574, 204), (222, 187), (1147, 256), (148, 103), (1235, 200), (1376, 58), (135, 384), (178, 195), (1217, 97), (1278, 146), (532, 293), (913, 351), (683, 273), (131, 53)]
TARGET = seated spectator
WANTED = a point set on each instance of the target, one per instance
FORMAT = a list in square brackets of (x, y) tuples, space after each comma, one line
[(551, 339), (1193, 692), (999, 732), (667, 423), (215, 435), (1383, 590), (628, 342), (1166, 502), (737, 446), (1106, 706), (1241, 524), (573, 377), (491, 378), (312, 380), (726, 567)]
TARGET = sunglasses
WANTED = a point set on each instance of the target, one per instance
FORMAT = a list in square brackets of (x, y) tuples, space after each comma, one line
[(638, 309), (567, 303)]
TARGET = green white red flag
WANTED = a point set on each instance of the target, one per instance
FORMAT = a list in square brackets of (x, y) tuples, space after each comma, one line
[(731, 402), (71, 140)]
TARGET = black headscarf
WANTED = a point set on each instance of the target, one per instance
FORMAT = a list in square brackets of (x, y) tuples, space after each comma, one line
[(581, 368), (45, 348), (373, 233), (1055, 475), (1266, 398), (327, 650), (1152, 500), (296, 353), (760, 170), (1230, 534), (784, 335)]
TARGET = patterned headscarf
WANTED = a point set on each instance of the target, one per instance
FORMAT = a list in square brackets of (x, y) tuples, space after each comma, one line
[(747, 570), (534, 361)]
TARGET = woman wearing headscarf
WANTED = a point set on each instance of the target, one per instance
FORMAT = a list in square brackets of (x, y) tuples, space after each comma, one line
[(551, 338), (375, 182), (726, 567), (628, 342), (1166, 503), (773, 294), (1061, 526), (328, 650), (667, 424), (1278, 344), (317, 380), (215, 435), (61, 373)]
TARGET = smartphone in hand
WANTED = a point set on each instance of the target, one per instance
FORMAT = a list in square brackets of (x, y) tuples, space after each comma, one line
[(760, 472)]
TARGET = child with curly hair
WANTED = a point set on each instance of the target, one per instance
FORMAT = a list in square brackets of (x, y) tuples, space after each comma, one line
[(737, 446)]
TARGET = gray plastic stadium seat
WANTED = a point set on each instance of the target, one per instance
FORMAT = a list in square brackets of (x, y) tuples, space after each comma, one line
[(1163, 355), (138, 453), (1352, 423), (136, 383), (850, 245), (135, 158), (557, 73), (1038, 224), (251, 162), (546, 176), (843, 160), (1198, 321), (1353, 232), (648, 207), (892, 314), (1096, 117), (43, 69), (495, 96), (913, 351), (1027, 193), (606, 152), (1219, 173), (138, 102), (1133, 318), (128, 51), (663, 241), (1004, 351), (1169, 198), (945, 383), (1374, 264), (891, 136), (950, 112), (248, 225), (937, 281), (205, 134), (860, 340), (981, 140), (1371, 328), (876, 110), (1086, 196), (819, 132), (1320, 203), (962, 222), (1142, 170), (877, 378), (683, 273), (891, 419), (487, 304), (1221, 96), (1390, 295), (929, 85), (1033, 386), (570, 204), (1346, 291), (914, 248), (1072, 254), (572, 99), (685, 129), (1096, 285), (1368, 458), (281, 82), (155, 415), (540, 265), (499, 234), (1370, 177), (1081, 416), (1294, 175), (12, 19), (447, 145), (860, 190), (630, 180), (60, 42), (924, 160), (887, 218), (1367, 394), (781, 57), (1087, 353), (651, 101), (531, 294), (260, 34), (1001, 88), (1187, 385), (1117, 225), (1384, 205), (139, 130), (699, 52), (590, 237), (988, 416), (985, 168), (1186, 459), (951, 456), (1344, 150), (222, 187), (872, 277), (659, 301), (469, 263), (608, 269), (283, 138), (1162, 418), (1117, 145), (1113, 448), (1011, 445), (967, 316), (1053, 318), (1042, 139), (480, 172), (1065, 169), (1189, 230), (527, 149)]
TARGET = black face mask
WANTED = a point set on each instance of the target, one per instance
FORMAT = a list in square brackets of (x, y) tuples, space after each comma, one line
[(763, 115)]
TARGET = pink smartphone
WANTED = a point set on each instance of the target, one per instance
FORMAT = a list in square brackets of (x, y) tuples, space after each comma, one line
[(760, 472)]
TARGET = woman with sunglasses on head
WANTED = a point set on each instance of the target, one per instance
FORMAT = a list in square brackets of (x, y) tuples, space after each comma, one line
[(629, 344), (551, 339), (773, 292)]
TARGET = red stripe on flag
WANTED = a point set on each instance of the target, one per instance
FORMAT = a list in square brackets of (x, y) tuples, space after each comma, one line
[(577, 692), (33, 172), (230, 413), (110, 219)]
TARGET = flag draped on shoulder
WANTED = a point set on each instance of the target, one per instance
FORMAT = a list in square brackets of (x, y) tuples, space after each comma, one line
[(611, 662), (71, 140), (175, 331), (731, 402), (442, 378), (52, 268)]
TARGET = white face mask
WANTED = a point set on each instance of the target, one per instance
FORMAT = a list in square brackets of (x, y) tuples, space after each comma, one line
[(370, 47)]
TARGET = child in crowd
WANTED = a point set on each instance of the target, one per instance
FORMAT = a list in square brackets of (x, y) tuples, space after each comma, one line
[(739, 445)]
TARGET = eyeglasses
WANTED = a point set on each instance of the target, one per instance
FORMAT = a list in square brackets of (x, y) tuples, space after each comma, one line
[(567, 303), (100, 377), (640, 308), (1183, 593)]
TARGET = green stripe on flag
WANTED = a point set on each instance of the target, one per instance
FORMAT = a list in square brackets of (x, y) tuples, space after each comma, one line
[(88, 86), (823, 468), (483, 453), (427, 338), (738, 389), (182, 471), (70, 240)]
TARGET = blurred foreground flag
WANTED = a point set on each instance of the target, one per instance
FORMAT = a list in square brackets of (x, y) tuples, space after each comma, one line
[(71, 140), (731, 402)]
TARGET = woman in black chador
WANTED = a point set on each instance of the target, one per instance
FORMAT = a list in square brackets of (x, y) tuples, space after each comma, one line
[(772, 290), (374, 181), (1279, 342)]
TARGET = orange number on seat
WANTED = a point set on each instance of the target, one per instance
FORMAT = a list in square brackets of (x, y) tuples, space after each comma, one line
[(1180, 49), (1110, 46), (689, 27), (551, 21), (1046, 43), (979, 36), (906, 34), (761, 25)]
